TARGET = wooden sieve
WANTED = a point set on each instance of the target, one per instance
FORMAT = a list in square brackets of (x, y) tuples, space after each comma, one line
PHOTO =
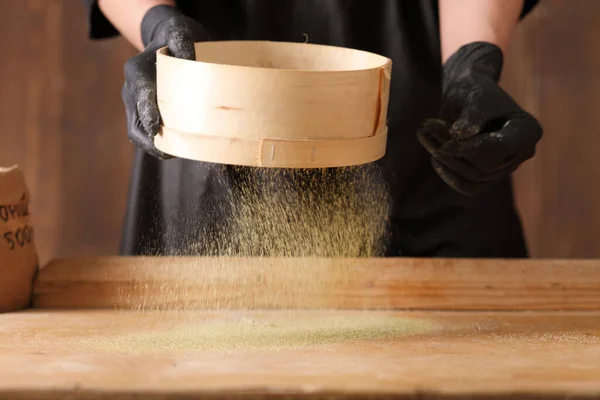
[(274, 104)]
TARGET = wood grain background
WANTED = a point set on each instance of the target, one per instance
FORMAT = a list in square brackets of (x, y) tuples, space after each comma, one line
[(62, 121)]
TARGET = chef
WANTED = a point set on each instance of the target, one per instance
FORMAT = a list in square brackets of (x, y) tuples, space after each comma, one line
[(455, 137)]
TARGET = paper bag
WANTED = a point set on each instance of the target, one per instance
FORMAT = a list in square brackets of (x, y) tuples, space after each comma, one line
[(18, 255)]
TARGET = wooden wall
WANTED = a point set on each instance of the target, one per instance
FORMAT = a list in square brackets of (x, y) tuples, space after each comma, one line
[(554, 71), (62, 120)]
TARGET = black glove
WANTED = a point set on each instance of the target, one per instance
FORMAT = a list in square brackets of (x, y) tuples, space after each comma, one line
[(161, 26), (482, 135)]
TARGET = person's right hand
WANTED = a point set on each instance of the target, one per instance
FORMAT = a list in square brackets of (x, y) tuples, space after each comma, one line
[(161, 26)]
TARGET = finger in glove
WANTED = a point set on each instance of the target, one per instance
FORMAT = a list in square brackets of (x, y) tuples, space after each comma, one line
[(482, 105), (136, 132), (141, 90), (458, 183), (471, 120), (433, 134), (181, 43), (494, 151), (465, 169)]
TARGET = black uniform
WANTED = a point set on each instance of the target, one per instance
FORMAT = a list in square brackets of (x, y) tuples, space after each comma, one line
[(428, 217)]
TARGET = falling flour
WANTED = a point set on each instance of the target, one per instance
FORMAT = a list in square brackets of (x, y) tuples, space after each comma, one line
[(319, 216), (312, 220), (335, 212)]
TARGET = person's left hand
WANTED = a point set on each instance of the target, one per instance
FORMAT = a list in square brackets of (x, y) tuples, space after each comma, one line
[(482, 135)]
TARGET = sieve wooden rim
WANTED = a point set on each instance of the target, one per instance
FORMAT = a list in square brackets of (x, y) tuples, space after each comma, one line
[(277, 153), (257, 114)]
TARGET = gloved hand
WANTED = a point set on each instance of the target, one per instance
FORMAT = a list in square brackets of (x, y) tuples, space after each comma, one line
[(482, 135), (161, 26)]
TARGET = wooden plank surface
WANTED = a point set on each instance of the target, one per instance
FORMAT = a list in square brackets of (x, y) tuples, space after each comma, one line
[(387, 283), (115, 354)]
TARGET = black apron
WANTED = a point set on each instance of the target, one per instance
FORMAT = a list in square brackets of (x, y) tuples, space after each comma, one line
[(428, 219)]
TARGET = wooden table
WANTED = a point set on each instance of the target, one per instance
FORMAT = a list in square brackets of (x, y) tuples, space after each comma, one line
[(463, 329)]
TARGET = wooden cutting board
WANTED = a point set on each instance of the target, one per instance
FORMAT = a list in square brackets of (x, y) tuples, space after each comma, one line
[(106, 354), (373, 328)]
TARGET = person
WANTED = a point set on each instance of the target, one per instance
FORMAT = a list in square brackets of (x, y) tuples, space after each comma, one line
[(455, 136)]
